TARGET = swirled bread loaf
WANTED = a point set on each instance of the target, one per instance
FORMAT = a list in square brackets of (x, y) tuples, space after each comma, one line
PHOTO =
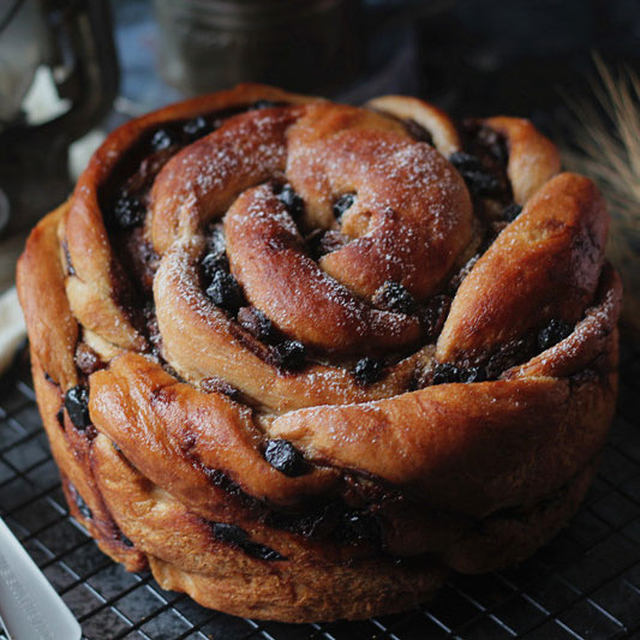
[(303, 358)]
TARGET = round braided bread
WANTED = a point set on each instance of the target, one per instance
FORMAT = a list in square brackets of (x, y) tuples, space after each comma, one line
[(302, 358)]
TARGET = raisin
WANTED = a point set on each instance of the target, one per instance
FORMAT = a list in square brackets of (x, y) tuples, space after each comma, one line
[(234, 535), (284, 457), (318, 523), (291, 200), (392, 296), (511, 212), (214, 262), (479, 181), (257, 323), (473, 374), (343, 203), (197, 127), (229, 533), (225, 292), (162, 139), (433, 315), (263, 552), (264, 104), (290, 354), (76, 402), (509, 354), (553, 333), (463, 161), (359, 526), (494, 143), (216, 242), (446, 372), (128, 211), (367, 371)]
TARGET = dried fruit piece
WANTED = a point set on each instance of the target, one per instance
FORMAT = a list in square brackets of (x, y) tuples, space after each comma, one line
[(76, 402), (393, 296), (343, 203), (290, 354), (292, 201), (284, 457), (555, 331), (257, 323), (225, 292), (128, 211), (367, 371)]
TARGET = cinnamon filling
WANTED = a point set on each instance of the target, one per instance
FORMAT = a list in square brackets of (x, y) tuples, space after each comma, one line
[(482, 164), (124, 198)]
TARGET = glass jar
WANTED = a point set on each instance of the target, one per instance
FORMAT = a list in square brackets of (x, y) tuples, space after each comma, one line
[(301, 45)]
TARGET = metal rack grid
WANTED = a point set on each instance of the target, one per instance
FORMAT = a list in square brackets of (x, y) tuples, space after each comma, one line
[(584, 584)]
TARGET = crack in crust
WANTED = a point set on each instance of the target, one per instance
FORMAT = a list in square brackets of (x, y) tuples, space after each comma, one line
[(335, 354)]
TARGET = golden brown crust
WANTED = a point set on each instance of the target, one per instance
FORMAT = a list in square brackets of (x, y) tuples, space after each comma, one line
[(397, 466), (522, 438), (435, 121), (53, 333), (319, 311), (397, 228), (533, 159), (545, 264), (72, 452)]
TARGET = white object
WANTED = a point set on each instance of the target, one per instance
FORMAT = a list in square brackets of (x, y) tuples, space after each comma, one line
[(81, 150), (30, 608), (12, 327)]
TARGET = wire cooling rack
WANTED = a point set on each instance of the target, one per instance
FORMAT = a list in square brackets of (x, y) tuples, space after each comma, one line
[(584, 584)]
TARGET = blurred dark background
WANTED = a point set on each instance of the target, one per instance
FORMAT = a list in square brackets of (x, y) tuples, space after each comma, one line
[(100, 62), (471, 56)]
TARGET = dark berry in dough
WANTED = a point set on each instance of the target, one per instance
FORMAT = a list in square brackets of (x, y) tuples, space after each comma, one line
[(162, 139), (128, 211), (392, 296), (290, 354), (284, 457), (197, 127), (367, 371), (343, 203), (291, 200), (359, 526), (225, 292), (446, 372), (555, 331), (479, 181), (214, 262), (76, 402), (257, 323)]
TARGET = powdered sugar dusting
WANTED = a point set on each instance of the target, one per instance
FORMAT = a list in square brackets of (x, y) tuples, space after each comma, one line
[(201, 181), (413, 213)]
